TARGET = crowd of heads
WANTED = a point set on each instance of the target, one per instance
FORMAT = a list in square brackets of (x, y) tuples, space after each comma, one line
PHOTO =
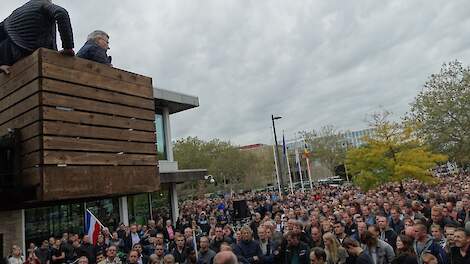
[(328, 224)]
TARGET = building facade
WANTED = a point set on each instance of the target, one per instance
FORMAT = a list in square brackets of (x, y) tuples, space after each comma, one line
[(36, 222)]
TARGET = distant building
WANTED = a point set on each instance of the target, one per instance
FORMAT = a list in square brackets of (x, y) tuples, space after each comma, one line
[(355, 139)]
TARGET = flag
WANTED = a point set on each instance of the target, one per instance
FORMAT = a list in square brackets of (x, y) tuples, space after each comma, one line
[(93, 227), (306, 153), (284, 147)]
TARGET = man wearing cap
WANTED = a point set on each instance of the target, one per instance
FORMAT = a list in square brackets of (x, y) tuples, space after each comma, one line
[(33, 26)]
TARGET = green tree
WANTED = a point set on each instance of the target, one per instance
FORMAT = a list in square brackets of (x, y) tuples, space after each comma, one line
[(326, 146), (394, 153), (442, 112), (223, 161)]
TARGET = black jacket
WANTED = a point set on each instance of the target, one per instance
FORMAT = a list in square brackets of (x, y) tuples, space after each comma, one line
[(287, 253), (33, 26)]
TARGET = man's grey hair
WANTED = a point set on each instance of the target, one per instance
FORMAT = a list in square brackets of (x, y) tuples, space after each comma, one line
[(97, 34), (225, 257)]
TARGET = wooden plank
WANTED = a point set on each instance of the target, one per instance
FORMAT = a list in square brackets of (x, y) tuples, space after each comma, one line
[(94, 145), (94, 80), (20, 108), (91, 158), (75, 63), (51, 113), (24, 122), (31, 160), (74, 182), (50, 99), (19, 95), (31, 145), (97, 94), (14, 83), (74, 130), (19, 67)]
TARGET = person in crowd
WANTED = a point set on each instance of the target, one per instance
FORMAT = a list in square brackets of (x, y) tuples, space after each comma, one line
[(247, 250), (96, 48), (180, 252), (87, 249), (268, 248), (116, 241), (438, 218), (132, 257), (424, 243), (460, 253), (340, 231), (169, 259), (43, 254), (83, 260), (169, 231), (335, 253), (225, 257), (131, 238), (429, 258), (317, 256), (56, 253), (404, 251), (396, 223), (218, 239), (294, 251), (356, 253), (205, 254), (437, 235), (380, 251), (449, 230), (255, 224), (16, 256), (111, 256), (387, 234), (141, 258), (33, 26), (316, 238), (100, 245)]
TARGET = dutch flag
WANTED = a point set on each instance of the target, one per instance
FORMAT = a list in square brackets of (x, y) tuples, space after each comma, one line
[(93, 227)]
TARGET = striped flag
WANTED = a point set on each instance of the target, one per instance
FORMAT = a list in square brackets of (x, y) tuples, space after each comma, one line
[(93, 227)]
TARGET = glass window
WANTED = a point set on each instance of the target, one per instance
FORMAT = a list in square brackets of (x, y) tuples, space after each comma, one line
[(161, 137), (107, 211), (41, 223), (138, 206), (161, 203)]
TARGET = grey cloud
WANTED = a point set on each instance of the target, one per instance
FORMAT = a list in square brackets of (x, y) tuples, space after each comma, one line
[(312, 62)]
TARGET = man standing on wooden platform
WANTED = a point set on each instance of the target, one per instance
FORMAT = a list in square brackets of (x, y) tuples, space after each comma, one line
[(96, 48), (33, 26)]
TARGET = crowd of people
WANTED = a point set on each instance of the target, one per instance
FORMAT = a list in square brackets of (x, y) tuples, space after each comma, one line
[(397, 223)]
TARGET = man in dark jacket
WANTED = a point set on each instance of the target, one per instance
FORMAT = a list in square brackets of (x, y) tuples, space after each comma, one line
[(460, 254), (33, 26), (96, 48), (295, 251), (248, 250)]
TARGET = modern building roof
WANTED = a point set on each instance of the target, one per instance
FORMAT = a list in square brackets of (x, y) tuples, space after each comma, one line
[(176, 102)]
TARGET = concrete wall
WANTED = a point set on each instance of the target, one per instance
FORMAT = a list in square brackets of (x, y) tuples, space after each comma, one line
[(11, 227)]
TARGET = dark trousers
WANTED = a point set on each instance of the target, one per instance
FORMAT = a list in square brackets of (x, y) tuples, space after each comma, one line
[(9, 51)]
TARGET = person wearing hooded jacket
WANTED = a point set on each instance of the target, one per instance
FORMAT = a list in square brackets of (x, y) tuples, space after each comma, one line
[(248, 250)]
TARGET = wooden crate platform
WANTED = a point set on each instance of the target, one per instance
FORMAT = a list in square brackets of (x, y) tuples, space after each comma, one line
[(87, 130)]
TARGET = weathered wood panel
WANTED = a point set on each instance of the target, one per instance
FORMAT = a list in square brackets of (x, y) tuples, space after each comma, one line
[(19, 108), (97, 94), (19, 68), (93, 80), (24, 122), (19, 81), (50, 99), (19, 95), (75, 130), (94, 145), (54, 114), (92, 158), (96, 181)]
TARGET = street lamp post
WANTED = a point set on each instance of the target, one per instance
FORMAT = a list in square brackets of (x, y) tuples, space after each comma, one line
[(281, 180)]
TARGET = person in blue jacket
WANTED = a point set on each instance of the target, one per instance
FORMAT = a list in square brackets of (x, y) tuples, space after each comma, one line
[(96, 48)]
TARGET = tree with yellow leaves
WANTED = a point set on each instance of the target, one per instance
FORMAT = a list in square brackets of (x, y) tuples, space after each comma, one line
[(394, 153)]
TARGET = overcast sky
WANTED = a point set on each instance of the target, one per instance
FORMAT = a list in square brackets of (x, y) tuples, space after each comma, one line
[(312, 62)]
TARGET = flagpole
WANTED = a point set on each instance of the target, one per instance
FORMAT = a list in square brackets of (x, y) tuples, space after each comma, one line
[(277, 169), (195, 245), (286, 154)]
